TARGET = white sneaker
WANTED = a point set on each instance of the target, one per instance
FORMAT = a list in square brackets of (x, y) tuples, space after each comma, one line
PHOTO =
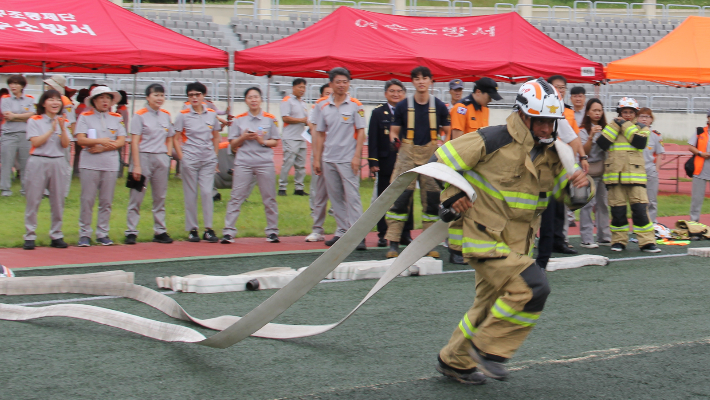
[(589, 245), (315, 237)]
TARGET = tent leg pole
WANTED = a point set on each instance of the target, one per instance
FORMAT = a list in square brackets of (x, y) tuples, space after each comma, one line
[(133, 111), (268, 92), (44, 70)]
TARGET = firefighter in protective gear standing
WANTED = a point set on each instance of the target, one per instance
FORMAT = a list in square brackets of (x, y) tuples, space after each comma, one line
[(625, 177), (514, 169), (418, 120)]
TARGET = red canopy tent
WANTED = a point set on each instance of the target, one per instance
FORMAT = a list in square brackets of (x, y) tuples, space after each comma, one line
[(382, 46), (93, 36)]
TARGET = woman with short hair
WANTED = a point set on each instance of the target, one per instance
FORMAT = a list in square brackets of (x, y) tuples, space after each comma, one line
[(196, 144), (48, 135), (100, 132), (17, 107), (150, 128), (653, 149)]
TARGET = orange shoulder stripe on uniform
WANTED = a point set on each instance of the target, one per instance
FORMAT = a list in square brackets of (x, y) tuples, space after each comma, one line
[(115, 114), (322, 106), (142, 111), (90, 112), (66, 101), (356, 101), (209, 109), (187, 103), (185, 111), (30, 96), (321, 99), (165, 111), (286, 98), (5, 95), (268, 115), (36, 117), (241, 115)]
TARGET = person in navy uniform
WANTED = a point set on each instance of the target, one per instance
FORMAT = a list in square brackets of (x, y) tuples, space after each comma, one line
[(382, 155)]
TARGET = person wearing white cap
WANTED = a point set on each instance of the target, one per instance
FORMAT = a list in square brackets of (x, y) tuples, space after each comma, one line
[(59, 83), (100, 133)]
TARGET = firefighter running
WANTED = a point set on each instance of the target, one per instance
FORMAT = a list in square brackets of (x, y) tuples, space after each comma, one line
[(625, 177), (514, 169)]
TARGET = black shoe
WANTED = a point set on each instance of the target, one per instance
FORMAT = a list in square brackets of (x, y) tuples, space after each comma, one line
[(650, 248), (564, 250), (618, 247), (300, 193), (217, 197), (382, 243), (361, 246), (193, 236), (492, 369), (272, 238), (59, 243), (282, 193), (572, 224), (130, 239), (227, 239), (209, 236), (405, 240), (455, 258), (162, 238), (29, 245), (469, 377), (332, 241)]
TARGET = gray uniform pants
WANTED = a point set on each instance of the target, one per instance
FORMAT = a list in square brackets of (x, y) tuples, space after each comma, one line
[(155, 167), (241, 188), (68, 170), (93, 181), (318, 200), (343, 187), (15, 146), (44, 173), (198, 174), (600, 205), (697, 197), (652, 190), (294, 156)]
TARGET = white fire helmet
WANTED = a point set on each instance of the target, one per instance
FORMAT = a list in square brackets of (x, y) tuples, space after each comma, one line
[(538, 99), (627, 102), (662, 231)]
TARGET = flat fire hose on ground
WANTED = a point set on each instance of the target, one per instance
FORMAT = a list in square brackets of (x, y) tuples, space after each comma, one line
[(257, 322)]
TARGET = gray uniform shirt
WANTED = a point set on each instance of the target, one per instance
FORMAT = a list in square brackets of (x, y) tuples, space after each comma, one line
[(38, 126), (654, 146), (197, 132), (578, 116), (107, 125), (294, 108), (16, 105), (340, 123), (596, 154), (252, 153), (154, 127), (705, 173)]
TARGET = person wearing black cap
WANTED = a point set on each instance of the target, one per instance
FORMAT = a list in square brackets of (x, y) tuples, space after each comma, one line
[(472, 112), (456, 92), (469, 115)]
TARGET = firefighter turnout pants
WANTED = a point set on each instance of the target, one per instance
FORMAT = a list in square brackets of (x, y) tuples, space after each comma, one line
[(510, 295), (637, 198), (411, 156)]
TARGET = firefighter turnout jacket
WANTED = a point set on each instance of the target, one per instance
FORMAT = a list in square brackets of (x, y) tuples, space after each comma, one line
[(514, 180), (625, 142)]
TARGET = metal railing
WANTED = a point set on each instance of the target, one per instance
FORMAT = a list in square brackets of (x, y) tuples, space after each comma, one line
[(181, 6)]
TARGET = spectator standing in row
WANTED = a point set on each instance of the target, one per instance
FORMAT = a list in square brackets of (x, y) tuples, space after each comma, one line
[(253, 136), (382, 155), (456, 92), (418, 122), (578, 98), (318, 198), (152, 133), (46, 169), (59, 83), (17, 108), (590, 130), (651, 159), (294, 114), (340, 135), (469, 115), (101, 133), (700, 147), (196, 143)]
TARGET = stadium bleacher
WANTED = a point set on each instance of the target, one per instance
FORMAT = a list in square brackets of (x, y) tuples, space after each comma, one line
[(600, 39)]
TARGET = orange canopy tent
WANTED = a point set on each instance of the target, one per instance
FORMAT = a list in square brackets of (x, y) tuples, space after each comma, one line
[(682, 57)]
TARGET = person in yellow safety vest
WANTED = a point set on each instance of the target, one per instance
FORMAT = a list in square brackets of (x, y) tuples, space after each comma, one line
[(514, 169), (625, 177)]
